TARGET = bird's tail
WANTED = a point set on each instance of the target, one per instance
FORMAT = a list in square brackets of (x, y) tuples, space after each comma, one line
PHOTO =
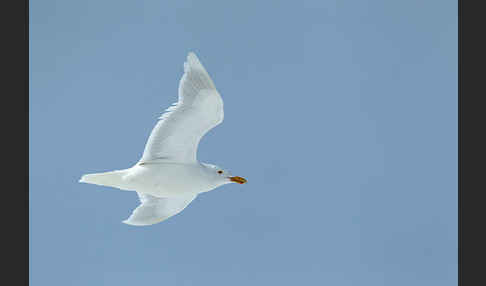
[(110, 179)]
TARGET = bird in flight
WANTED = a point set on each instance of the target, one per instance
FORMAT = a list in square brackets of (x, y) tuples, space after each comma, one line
[(169, 176)]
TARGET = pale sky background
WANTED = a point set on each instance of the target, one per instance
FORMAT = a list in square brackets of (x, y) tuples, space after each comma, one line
[(341, 114)]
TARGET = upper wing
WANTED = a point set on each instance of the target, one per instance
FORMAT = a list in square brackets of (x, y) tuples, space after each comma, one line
[(153, 210), (176, 135)]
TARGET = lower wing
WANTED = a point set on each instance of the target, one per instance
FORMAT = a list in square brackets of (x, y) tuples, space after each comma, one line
[(153, 210)]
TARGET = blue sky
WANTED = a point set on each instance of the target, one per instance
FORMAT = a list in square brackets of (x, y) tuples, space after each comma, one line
[(342, 115)]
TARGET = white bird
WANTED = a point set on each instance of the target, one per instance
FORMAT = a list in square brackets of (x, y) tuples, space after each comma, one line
[(168, 176)]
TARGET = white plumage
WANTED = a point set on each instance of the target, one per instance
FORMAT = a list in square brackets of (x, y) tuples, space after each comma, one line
[(199, 109), (168, 176)]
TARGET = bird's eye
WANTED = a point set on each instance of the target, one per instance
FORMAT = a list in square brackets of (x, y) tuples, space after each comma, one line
[(220, 172)]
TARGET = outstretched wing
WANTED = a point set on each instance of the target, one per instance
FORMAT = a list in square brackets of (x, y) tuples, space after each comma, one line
[(153, 210), (176, 135)]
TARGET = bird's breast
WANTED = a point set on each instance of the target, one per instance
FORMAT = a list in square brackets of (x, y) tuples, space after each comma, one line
[(166, 180)]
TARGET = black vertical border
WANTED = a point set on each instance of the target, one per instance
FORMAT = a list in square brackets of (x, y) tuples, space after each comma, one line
[(472, 144), (14, 209)]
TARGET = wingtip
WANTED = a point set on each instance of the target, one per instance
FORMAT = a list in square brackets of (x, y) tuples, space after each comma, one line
[(192, 59), (126, 222), (192, 62), (129, 222)]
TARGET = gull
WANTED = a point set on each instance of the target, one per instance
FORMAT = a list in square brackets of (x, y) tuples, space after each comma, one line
[(168, 176)]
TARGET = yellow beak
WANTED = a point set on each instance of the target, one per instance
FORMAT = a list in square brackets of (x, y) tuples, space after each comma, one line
[(238, 180)]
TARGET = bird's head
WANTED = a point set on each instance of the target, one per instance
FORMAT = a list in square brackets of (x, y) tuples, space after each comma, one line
[(223, 176)]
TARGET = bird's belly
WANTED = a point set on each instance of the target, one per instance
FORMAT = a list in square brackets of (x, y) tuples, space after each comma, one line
[(167, 187), (166, 180)]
